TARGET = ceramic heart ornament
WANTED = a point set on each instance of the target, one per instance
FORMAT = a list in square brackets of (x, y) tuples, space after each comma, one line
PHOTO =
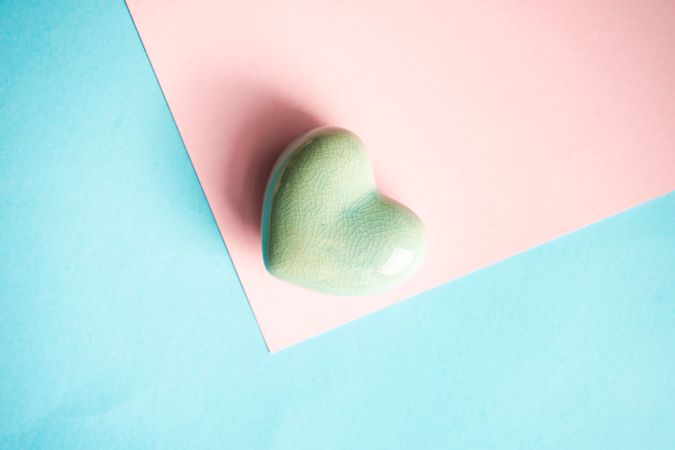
[(326, 227)]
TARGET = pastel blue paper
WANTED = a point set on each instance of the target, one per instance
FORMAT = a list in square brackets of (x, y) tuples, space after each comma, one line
[(122, 323)]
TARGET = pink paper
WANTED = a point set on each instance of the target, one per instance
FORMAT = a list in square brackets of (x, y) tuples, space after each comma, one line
[(502, 124)]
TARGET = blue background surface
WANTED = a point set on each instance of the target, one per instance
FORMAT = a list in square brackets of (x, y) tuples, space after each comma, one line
[(122, 324)]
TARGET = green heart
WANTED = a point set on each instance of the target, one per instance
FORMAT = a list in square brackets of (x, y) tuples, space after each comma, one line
[(326, 227)]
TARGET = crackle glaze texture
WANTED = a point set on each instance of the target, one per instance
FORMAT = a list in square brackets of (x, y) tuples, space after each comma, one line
[(326, 227)]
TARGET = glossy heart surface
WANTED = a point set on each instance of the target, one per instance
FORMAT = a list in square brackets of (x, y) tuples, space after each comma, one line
[(326, 227)]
